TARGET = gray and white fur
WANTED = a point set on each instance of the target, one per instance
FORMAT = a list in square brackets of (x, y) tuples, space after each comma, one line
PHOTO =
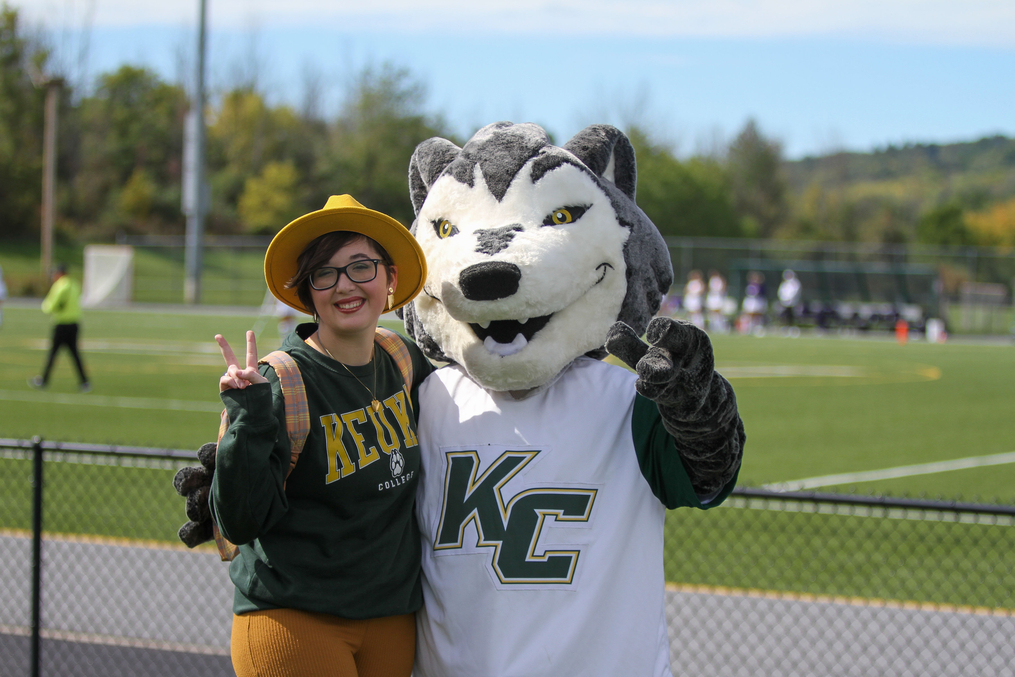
[(504, 248)]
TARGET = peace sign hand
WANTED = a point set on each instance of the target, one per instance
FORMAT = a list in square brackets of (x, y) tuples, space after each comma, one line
[(237, 377)]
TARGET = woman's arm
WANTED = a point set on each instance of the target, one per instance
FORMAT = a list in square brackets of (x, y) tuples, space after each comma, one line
[(247, 492)]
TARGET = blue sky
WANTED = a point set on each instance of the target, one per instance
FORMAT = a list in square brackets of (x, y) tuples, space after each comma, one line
[(819, 76)]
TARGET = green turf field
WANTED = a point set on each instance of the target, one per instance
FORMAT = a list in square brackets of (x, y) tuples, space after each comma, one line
[(813, 408), (822, 406)]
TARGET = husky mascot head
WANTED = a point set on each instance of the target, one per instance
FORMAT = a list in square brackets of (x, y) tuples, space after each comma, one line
[(533, 250)]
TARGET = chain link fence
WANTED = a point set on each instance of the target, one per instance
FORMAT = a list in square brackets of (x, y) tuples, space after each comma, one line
[(862, 285), (119, 594), (768, 584), (844, 284)]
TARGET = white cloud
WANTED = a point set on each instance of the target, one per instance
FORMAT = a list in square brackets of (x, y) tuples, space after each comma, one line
[(970, 22)]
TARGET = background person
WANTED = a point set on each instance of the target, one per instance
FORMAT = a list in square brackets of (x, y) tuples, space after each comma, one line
[(286, 319), (755, 304), (790, 292), (63, 303), (328, 572), (715, 302), (694, 292)]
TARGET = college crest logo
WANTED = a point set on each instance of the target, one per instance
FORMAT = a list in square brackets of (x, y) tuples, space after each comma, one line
[(510, 526)]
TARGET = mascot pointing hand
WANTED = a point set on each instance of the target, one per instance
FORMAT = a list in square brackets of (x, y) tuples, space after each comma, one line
[(547, 473)]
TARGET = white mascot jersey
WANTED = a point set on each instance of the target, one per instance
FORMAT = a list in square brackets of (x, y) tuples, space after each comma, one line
[(517, 501)]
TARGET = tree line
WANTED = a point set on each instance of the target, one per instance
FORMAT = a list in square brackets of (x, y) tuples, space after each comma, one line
[(119, 168)]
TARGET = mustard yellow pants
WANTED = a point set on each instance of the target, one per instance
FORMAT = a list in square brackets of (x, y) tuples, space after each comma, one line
[(291, 643)]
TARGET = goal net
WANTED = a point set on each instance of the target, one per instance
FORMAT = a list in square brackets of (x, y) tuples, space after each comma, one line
[(109, 275)]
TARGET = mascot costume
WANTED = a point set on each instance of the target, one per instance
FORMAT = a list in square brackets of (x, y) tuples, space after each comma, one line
[(547, 472)]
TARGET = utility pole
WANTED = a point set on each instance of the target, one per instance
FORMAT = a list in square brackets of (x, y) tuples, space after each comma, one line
[(195, 198), (53, 88)]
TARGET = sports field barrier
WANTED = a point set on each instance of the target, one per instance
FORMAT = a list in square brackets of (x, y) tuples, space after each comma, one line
[(971, 288), (93, 581), (865, 285)]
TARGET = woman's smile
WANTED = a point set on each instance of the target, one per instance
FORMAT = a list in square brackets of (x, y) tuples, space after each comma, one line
[(350, 305)]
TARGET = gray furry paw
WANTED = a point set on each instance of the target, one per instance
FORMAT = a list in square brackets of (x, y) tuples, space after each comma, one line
[(676, 370), (194, 483)]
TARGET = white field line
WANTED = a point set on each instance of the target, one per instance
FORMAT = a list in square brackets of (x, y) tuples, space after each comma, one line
[(791, 371), (105, 401), (137, 347), (893, 473), (910, 514)]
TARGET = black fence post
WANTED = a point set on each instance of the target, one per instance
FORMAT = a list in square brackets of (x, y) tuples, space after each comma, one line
[(34, 654)]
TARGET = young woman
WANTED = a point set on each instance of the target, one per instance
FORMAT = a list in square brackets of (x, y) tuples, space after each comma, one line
[(327, 576)]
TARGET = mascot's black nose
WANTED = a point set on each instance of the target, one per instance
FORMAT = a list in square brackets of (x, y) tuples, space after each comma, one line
[(489, 281)]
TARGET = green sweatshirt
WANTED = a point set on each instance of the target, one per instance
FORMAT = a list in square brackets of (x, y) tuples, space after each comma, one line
[(63, 301), (339, 536)]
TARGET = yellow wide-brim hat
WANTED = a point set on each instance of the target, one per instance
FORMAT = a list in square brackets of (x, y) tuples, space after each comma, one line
[(342, 212)]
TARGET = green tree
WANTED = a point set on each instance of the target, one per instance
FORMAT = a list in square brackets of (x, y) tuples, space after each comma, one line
[(754, 164), (21, 126), (270, 200), (136, 198), (245, 136), (691, 198), (821, 214), (944, 225), (131, 127), (373, 139)]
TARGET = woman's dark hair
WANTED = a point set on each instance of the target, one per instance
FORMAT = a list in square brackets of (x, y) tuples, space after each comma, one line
[(318, 252)]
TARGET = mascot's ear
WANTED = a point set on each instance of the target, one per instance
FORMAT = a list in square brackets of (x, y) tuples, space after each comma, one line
[(428, 161), (607, 152)]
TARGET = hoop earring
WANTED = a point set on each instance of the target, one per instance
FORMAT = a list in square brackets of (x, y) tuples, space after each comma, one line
[(391, 298)]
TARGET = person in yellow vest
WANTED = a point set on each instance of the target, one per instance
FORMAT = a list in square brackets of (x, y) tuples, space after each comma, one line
[(63, 303)]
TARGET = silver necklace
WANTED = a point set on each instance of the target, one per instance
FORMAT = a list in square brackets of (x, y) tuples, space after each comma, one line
[(374, 403)]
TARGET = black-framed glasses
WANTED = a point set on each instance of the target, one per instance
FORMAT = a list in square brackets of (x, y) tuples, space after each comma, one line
[(361, 270)]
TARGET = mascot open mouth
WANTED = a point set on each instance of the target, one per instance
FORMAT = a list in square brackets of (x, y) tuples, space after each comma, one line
[(507, 337)]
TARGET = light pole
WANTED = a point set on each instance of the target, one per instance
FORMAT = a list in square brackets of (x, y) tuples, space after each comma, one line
[(195, 199), (53, 88)]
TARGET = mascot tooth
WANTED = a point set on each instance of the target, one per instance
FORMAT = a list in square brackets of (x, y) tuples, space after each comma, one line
[(547, 473)]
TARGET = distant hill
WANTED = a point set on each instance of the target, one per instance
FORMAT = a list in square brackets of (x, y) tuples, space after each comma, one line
[(958, 170), (880, 196)]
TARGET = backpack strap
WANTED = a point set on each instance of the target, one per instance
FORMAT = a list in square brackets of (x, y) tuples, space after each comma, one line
[(294, 394), (394, 345), (297, 425)]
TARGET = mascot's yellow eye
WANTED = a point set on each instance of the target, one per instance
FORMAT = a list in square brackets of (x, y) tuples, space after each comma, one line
[(564, 215), (561, 216), (444, 228)]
